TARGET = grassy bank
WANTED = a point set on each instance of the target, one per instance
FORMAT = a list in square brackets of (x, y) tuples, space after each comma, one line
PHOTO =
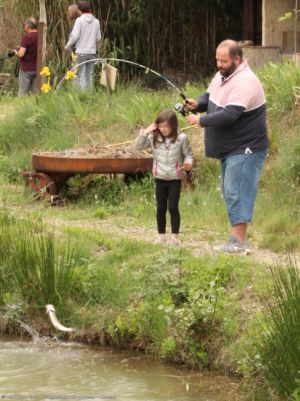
[(122, 290), (171, 303)]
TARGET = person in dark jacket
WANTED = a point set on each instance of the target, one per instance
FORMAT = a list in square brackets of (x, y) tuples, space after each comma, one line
[(236, 134)]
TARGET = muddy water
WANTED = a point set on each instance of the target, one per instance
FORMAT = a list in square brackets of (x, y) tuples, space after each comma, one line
[(41, 370)]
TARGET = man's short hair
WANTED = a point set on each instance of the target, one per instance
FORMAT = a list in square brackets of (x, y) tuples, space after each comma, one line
[(84, 6), (31, 22), (234, 48)]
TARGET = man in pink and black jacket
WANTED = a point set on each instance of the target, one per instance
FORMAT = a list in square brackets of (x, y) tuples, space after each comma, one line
[(236, 134)]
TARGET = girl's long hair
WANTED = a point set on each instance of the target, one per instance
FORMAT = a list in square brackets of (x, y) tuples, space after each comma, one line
[(169, 117)]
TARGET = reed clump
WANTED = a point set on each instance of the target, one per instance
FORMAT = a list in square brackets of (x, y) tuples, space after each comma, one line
[(37, 264), (276, 350)]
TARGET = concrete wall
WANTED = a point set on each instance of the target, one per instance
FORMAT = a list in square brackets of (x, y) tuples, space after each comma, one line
[(274, 32), (258, 56)]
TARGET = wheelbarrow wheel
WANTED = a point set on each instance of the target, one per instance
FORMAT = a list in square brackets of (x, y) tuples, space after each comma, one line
[(41, 183)]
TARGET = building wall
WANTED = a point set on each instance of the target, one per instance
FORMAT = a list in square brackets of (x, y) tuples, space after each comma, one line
[(274, 32), (258, 56)]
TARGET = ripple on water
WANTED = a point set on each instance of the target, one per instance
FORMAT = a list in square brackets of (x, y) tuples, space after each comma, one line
[(56, 369)]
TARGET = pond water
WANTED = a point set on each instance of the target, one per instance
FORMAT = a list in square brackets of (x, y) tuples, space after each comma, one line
[(46, 370)]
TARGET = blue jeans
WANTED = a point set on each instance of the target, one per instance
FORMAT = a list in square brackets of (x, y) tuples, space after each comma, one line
[(85, 72), (27, 82), (240, 176)]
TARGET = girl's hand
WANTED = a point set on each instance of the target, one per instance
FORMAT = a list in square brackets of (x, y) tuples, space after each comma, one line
[(186, 167), (152, 127)]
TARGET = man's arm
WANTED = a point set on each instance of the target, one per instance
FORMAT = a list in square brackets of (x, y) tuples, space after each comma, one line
[(21, 49), (74, 36), (226, 116), (199, 105), (20, 52), (202, 102), (98, 38)]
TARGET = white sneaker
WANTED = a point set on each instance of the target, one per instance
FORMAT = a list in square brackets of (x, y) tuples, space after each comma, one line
[(161, 239), (233, 245), (174, 241)]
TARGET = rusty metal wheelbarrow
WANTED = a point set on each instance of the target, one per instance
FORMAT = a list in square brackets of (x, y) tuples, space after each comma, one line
[(52, 172)]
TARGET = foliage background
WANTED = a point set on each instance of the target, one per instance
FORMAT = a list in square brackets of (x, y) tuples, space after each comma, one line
[(166, 35)]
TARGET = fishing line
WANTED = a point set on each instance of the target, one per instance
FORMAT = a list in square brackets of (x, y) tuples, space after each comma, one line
[(147, 70)]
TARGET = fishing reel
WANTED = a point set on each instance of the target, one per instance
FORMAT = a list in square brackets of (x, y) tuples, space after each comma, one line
[(182, 108)]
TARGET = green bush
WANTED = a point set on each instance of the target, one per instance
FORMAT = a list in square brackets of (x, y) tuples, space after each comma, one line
[(279, 81)]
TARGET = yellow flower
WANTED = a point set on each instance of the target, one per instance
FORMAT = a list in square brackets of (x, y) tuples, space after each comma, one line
[(73, 56), (71, 75), (45, 72), (46, 88)]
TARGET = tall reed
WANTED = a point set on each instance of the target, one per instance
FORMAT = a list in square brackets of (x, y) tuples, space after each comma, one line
[(278, 348), (5, 241), (42, 264)]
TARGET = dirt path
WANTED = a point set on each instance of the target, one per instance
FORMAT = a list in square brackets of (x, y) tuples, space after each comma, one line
[(117, 228), (139, 233)]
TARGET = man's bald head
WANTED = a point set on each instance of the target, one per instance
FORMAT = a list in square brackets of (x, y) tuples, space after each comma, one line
[(31, 23), (233, 48), (229, 56)]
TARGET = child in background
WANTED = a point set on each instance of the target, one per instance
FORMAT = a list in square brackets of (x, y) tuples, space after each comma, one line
[(73, 14), (172, 154)]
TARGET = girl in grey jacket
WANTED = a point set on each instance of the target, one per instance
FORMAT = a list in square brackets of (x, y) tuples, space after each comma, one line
[(172, 154)]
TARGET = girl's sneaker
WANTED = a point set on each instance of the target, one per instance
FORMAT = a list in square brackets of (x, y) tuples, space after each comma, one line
[(174, 241), (161, 239)]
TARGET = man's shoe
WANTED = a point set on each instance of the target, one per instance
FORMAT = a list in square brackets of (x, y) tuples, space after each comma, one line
[(233, 245)]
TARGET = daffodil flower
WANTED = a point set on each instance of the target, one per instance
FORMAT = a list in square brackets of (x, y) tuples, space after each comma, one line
[(45, 72), (71, 75), (46, 88)]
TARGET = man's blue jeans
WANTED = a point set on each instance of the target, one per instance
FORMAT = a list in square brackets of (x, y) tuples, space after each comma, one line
[(27, 82), (85, 72), (240, 176)]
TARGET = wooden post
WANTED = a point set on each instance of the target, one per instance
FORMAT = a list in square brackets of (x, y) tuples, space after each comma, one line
[(42, 33), (295, 31), (40, 57)]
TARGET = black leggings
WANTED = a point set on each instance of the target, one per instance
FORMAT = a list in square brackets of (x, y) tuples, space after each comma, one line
[(168, 194)]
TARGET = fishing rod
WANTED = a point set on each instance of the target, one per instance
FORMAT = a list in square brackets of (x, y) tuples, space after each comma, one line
[(147, 70)]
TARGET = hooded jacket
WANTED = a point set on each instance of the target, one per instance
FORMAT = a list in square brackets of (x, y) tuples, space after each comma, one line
[(85, 35), (167, 159)]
